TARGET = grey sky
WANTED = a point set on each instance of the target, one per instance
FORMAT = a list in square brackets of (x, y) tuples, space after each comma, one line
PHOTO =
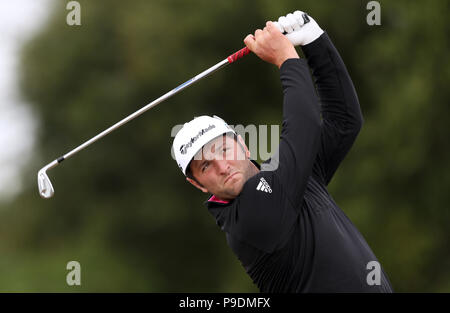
[(18, 20)]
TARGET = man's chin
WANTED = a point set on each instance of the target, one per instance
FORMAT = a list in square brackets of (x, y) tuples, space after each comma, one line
[(235, 190), (229, 193)]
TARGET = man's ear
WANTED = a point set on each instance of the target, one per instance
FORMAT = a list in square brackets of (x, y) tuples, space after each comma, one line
[(244, 146), (197, 185)]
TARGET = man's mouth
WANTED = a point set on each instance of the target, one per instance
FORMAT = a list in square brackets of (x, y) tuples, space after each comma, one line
[(229, 177)]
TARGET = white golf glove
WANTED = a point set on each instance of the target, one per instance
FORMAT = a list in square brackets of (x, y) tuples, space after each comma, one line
[(300, 28)]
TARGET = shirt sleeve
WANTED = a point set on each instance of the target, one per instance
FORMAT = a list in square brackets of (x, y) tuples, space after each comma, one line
[(300, 134), (341, 114)]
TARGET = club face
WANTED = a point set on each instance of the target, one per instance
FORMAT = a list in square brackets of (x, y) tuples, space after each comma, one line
[(45, 186)]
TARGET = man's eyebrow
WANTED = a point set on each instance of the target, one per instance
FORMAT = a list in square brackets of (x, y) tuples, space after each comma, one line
[(217, 147)]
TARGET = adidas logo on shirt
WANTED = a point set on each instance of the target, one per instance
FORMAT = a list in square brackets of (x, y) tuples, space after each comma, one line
[(263, 186)]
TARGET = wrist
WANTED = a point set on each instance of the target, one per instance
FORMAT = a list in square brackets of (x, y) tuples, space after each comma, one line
[(292, 55)]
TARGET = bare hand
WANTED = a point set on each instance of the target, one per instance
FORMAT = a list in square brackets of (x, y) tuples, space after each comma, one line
[(270, 45)]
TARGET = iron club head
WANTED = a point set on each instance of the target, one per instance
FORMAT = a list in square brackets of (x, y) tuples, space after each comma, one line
[(44, 184)]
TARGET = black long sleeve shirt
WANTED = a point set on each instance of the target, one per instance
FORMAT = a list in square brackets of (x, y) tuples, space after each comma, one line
[(284, 226)]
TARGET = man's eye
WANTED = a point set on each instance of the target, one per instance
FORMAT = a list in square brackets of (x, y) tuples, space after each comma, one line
[(204, 167)]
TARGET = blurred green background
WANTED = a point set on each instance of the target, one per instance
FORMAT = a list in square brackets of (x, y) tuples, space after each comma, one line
[(122, 208)]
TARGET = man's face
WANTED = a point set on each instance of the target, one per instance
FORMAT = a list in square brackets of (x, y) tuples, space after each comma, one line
[(222, 167)]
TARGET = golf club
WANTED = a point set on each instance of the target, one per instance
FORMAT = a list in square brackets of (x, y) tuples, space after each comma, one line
[(45, 186), (46, 189)]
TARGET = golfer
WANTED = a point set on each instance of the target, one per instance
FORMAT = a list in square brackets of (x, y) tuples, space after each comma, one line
[(278, 217)]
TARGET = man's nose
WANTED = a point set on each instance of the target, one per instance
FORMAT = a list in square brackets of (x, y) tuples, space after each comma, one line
[(222, 166)]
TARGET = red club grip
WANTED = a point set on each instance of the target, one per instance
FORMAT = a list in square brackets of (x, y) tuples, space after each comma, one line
[(237, 55)]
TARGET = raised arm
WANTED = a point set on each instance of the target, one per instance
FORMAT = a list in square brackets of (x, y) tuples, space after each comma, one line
[(301, 128), (341, 113)]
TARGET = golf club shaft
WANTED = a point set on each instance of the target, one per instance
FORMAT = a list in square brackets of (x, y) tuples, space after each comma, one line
[(230, 59)]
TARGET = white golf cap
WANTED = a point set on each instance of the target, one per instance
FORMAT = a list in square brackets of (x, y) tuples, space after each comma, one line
[(194, 135)]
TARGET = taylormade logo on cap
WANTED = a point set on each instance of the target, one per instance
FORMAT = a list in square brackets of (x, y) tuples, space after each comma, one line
[(183, 148)]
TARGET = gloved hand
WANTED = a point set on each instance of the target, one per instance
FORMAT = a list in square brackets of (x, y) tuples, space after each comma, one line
[(300, 28)]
